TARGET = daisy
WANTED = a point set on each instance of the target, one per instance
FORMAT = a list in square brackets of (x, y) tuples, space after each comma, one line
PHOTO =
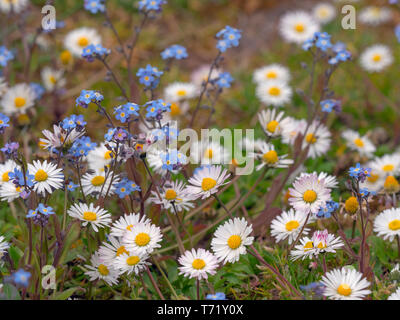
[(375, 181), (174, 197), (99, 269), (324, 12), (96, 216), (230, 240), (58, 138), (387, 224), (197, 264), (330, 181), (376, 58), (321, 242), (200, 75), (47, 177), (362, 145), (179, 91), (9, 191), (395, 295), (274, 93), (101, 156), (298, 26), (4, 245), (143, 238), (131, 262), (374, 16), (126, 223), (206, 152), (345, 284), (155, 157), (52, 79), (80, 38), (6, 168), (292, 129), (389, 164), (272, 122), (206, 181), (99, 183), (111, 249), (18, 99), (269, 157), (15, 6), (271, 72), (288, 225), (309, 194), (318, 138)]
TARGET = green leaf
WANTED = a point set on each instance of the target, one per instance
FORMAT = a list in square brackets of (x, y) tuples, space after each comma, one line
[(65, 294)]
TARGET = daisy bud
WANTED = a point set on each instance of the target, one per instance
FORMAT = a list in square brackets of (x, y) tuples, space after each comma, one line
[(351, 205)]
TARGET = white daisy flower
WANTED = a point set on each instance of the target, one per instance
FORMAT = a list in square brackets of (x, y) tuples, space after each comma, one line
[(330, 181), (318, 137), (6, 168), (206, 181), (230, 240), (389, 164), (99, 269), (80, 38), (272, 122), (324, 12), (274, 93), (178, 109), (131, 262), (269, 157), (345, 284), (9, 191), (15, 6), (126, 223), (309, 194), (292, 129), (288, 225), (179, 91), (387, 224), (100, 157), (361, 144), (271, 72), (375, 181), (208, 152), (395, 295), (59, 137), (99, 183), (47, 177), (200, 75), (111, 249), (373, 15), (52, 79), (376, 58), (321, 242), (89, 214), (197, 264), (4, 245), (298, 26), (18, 99), (174, 197), (154, 159), (143, 238)]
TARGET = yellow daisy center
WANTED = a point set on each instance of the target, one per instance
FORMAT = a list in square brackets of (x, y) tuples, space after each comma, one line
[(133, 260), (373, 178), (274, 91), (170, 194), (142, 239), (208, 184), (83, 42), (5, 177), (52, 79), (310, 138), (359, 143), (292, 225), (309, 245), (309, 196), (98, 181), (394, 224), (175, 110), (322, 13), (209, 153), (198, 264), (299, 27), (65, 57), (344, 290), (181, 93), (103, 270), (351, 205), (271, 75), (41, 175), (234, 242), (388, 167), (129, 227), (19, 102), (272, 125), (108, 155), (270, 157), (121, 250), (90, 216), (321, 245), (377, 58)]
